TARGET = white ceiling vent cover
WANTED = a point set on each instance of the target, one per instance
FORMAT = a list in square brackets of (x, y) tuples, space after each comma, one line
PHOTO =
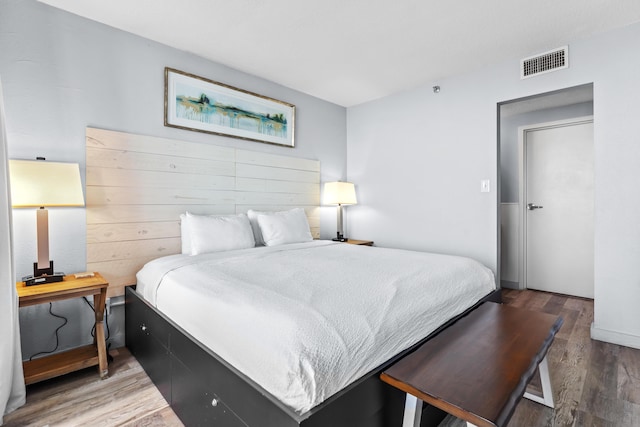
[(553, 60)]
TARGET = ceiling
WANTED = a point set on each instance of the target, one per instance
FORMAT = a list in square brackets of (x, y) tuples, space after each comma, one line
[(352, 51)]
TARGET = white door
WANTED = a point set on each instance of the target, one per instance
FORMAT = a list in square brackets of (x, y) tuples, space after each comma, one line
[(558, 207)]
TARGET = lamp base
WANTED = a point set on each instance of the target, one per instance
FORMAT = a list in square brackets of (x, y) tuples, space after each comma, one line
[(340, 238), (42, 271), (44, 279), (42, 276)]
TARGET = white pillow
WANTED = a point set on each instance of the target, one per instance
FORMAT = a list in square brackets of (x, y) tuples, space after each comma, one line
[(279, 228), (253, 219), (184, 234), (217, 233)]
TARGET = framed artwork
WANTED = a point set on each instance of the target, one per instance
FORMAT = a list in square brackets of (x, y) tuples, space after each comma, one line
[(203, 105)]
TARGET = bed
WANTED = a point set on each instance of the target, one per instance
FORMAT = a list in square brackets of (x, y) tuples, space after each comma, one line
[(137, 188), (304, 325)]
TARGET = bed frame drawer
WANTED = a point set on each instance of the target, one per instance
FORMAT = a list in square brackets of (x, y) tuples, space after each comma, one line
[(223, 381), (195, 402), (142, 341), (147, 322)]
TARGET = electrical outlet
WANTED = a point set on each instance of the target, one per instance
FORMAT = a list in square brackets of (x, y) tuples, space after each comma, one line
[(485, 186)]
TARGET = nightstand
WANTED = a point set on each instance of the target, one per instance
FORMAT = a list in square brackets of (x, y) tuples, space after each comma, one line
[(47, 367), (360, 242)]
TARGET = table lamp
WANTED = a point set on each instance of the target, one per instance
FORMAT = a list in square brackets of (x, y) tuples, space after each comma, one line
[(41, 184), (339, 193)]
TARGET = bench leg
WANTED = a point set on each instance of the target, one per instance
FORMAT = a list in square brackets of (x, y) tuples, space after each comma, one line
[(412, 411), (547, 394)]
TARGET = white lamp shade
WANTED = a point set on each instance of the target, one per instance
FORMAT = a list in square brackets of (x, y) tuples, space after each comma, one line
[(339, 193), (38, 183)]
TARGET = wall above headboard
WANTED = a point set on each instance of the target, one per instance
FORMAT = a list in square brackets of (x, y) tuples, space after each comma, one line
[(137, 186)]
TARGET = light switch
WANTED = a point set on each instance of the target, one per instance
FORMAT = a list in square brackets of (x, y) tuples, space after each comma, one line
[(485, 186)]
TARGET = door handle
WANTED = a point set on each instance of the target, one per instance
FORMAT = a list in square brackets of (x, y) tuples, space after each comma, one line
[(532, 207)]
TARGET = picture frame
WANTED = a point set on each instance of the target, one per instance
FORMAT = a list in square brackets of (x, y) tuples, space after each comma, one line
[(202, 105)]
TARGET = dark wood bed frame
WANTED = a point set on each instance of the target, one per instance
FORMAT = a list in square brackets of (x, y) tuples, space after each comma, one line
[(204, 390)]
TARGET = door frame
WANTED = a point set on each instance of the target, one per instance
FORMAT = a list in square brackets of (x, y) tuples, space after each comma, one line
[(522, 175)]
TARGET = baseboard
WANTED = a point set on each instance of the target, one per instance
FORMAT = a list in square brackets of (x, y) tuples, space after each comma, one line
[(614, 337), (509, 285)]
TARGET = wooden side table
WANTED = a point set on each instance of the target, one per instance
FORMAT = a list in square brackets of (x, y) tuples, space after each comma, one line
[(47, 367), (360, 242)]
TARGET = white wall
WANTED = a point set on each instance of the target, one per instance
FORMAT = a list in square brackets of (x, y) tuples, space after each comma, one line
[(417, 159), (62, 73)]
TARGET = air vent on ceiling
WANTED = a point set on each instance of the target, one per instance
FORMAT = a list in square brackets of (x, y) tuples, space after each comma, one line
[(553, 60)]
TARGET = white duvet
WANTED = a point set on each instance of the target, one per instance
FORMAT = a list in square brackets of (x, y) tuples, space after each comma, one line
[(305, 320)]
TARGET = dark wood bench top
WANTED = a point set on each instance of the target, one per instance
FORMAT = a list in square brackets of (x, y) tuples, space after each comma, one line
[(478, 368)]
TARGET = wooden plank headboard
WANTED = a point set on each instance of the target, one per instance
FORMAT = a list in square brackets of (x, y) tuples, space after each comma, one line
[(137, 186)]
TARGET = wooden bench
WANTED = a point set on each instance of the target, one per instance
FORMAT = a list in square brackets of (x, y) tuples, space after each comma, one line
[(478, 369)]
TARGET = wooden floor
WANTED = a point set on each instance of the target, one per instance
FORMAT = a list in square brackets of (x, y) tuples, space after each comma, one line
[(594, 383), (126, 398)]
